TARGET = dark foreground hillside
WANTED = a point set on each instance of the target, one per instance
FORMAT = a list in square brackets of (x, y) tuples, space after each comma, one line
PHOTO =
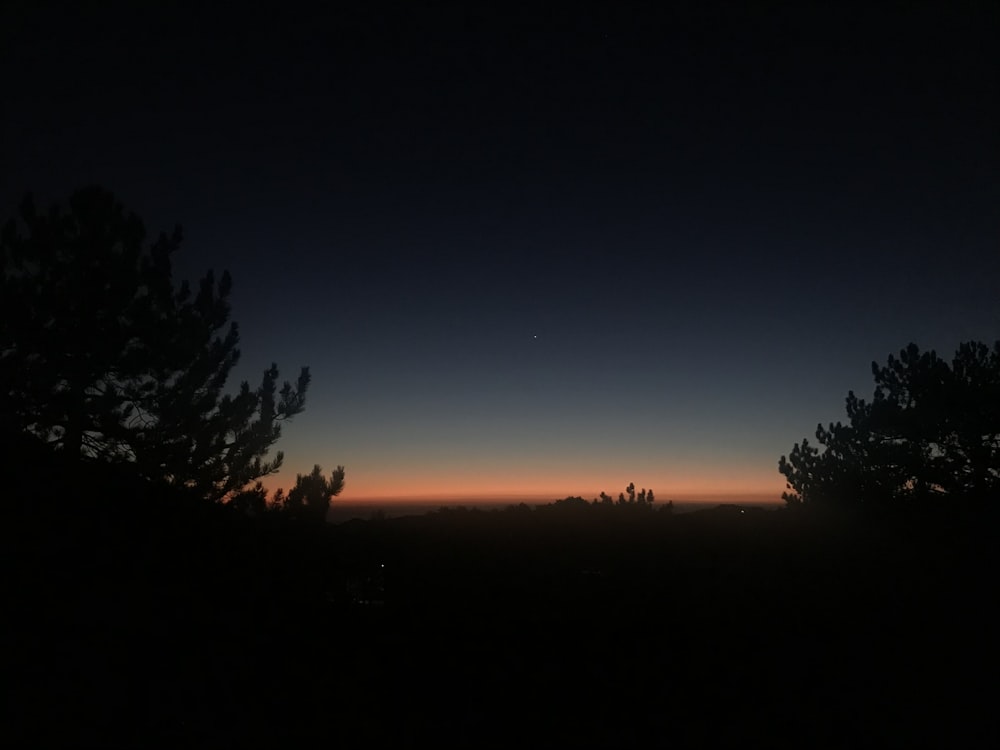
[(153, 623)]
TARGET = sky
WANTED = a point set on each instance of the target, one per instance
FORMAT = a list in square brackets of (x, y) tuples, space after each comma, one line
[(539, 254)]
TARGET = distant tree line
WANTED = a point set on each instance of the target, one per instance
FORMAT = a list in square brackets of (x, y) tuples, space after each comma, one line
[(644, 499), (103, 359), (931, 432)]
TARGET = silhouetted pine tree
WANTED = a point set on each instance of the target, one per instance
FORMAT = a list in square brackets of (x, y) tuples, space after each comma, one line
[(101, 358), (930, 430), (311, 495)]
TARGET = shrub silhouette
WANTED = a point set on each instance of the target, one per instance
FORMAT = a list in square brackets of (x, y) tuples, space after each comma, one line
[(103, 360), (571, 502), (931, 430)]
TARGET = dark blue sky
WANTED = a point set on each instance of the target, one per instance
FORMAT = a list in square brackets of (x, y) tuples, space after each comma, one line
[(544, 254)]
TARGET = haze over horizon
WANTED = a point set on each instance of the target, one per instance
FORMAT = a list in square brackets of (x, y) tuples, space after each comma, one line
[(543, 255)]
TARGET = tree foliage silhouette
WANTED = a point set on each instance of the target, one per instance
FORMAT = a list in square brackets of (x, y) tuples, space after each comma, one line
[(645, 497), (102, 359), (629, 497), (310, 498), (931, 430)]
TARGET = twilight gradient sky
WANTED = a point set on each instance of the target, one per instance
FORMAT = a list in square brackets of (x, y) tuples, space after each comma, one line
[(544, 254)]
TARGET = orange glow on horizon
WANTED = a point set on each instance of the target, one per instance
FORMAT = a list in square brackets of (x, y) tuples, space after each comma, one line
[(710, 487)]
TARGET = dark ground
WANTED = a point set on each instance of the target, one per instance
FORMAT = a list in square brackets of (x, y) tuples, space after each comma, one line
[(152, 623)]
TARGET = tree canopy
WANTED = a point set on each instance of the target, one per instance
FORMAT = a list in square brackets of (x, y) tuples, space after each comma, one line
[(311, 495), (931, 430), (103, 359)]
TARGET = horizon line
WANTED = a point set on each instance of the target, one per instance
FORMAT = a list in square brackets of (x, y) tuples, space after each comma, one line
[(541, 497)]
